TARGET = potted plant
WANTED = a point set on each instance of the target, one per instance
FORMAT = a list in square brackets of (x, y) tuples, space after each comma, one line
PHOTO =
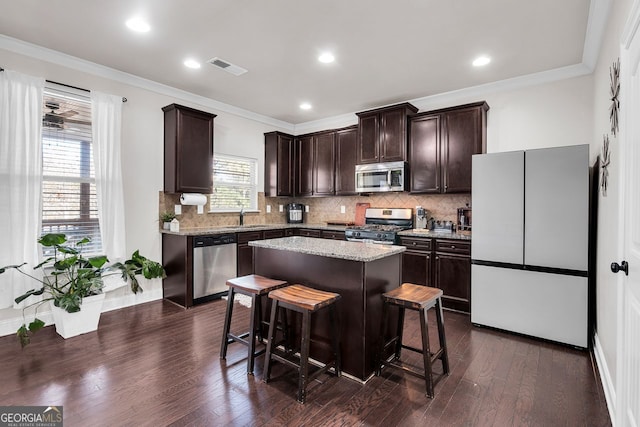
[(166, 218), (73, 283)]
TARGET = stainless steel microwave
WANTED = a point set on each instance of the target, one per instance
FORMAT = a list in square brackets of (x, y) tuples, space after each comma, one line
[(381, 177)]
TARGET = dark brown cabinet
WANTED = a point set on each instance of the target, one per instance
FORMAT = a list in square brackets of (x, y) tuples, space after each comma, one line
[(188, 150), (452, 273), (304, 166), (177, 259), (441, 144), (278, 164), (333, 235), (382, 134), (245, 252), (346, 144), (441, 263), (315, 164), (307, 232)]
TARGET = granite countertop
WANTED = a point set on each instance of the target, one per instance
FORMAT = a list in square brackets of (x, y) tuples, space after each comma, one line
[(425, 233), (206, 231), (342, 249)]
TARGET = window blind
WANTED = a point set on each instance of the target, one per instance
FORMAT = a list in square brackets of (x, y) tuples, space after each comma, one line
[(234, 183), (69, 202)]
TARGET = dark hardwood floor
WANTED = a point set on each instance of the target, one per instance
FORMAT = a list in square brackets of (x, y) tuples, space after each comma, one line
[(156, 364)]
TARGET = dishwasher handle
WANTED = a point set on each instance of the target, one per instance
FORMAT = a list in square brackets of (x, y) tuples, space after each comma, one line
[(224, 239)]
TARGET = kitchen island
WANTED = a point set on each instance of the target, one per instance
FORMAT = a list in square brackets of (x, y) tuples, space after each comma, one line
[(359, 272)]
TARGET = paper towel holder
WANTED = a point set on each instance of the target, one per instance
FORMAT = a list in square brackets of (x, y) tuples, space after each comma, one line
[(194, 199)]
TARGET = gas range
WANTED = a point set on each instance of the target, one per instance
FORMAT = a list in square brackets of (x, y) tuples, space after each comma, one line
[(381, 226)]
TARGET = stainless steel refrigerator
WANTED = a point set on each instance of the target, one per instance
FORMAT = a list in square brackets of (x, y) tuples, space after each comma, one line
[(529, 250)]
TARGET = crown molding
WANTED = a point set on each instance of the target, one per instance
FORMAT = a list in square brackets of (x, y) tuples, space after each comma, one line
[(596, 26), (59, 58)]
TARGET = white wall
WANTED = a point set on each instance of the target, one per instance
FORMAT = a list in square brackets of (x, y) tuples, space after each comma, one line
[(142, 157), (608, 242)]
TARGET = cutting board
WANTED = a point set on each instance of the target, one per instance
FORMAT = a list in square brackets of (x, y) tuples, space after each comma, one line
[(360, 211)]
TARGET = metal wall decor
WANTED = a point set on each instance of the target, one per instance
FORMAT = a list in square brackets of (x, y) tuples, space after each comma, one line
[(614, 75), (605, 159)]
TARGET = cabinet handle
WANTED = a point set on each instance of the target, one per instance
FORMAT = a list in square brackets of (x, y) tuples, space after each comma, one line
[(414, 243), (453, 246)]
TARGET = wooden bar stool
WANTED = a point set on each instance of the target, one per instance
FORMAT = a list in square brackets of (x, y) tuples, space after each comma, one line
[(256, 287), (307, 301), (421, 299)]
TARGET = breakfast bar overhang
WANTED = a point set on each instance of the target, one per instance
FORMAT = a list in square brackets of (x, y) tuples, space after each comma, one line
[(359, 272)]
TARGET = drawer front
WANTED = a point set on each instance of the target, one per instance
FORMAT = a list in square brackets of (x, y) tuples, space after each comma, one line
[(309, 233), (416, 244), (335, 235), (453, 247), (290, 232), (249, 236), (273, 234)]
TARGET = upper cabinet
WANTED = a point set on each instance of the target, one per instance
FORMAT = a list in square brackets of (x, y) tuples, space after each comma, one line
[(382, 135), (346, 143), (315, 164), (278, 164), (188, 150), (441, 144)]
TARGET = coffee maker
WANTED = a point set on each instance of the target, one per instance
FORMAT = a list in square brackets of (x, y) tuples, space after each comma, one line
[(464, 219), (294, 213), (420, 220)]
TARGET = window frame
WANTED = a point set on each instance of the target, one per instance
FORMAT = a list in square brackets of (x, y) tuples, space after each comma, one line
[(253, 186)]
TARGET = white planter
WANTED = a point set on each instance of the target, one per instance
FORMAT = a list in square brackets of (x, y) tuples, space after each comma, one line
[(86, 320), (166, 225)]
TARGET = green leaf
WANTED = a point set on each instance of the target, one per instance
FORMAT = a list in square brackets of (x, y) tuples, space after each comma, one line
[(36, 325), (68, 250), (23, 336), (52, 239), (98, 261), (17, 266), (69, 302), (65, 264), (84, 241), (46, 261), (28, 294)]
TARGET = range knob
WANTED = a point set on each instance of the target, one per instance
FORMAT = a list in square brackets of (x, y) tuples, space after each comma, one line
[(379, 235), (357, 234)]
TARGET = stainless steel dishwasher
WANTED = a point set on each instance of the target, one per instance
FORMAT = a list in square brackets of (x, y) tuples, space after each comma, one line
[(214, 262)]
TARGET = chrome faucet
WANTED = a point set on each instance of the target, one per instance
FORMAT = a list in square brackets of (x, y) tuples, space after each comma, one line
[(242, 216)]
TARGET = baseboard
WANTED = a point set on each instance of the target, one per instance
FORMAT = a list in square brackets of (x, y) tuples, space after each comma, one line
[(605, 378)]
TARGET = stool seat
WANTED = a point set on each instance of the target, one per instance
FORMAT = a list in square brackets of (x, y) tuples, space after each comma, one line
[(257, 287), (413, 296), (303, 297), (255, 284)]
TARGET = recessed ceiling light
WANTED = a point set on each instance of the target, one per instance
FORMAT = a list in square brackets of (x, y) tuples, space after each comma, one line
[(326, 57), (191, 63), (138, 25), (481, 61), (305, 106)]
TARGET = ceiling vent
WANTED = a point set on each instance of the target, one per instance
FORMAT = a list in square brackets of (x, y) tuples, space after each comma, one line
[(227, 66)]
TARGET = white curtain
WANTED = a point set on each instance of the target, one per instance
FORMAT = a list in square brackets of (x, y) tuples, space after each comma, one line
[(106, 123), (20, 180)]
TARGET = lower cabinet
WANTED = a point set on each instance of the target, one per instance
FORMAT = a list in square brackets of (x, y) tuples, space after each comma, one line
[(307, 232), (245, 252), (334, 235), (441, 263)]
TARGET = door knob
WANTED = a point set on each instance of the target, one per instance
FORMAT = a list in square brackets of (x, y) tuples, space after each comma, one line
[(615, 267)]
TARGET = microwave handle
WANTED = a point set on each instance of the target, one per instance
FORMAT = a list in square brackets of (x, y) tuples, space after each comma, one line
[(389, 178)]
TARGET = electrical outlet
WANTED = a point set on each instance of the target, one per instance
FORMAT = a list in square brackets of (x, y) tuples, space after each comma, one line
[(343, 209), (268, 208), (177, 209), (280, 208), (306, 208)]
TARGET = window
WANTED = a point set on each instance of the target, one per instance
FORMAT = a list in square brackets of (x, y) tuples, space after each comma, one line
[(69, 202), (235, 184)]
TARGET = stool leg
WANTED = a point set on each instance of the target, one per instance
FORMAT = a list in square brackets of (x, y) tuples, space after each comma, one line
[(304, 356), (335, 337), (443, 340), (270, 341), (252, 333), (227, 324), (258, 302), (381, 346), (400, 332), (285, 331), (426, 354)]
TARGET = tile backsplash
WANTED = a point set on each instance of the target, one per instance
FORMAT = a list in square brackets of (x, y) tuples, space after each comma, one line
[(321, 209)]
